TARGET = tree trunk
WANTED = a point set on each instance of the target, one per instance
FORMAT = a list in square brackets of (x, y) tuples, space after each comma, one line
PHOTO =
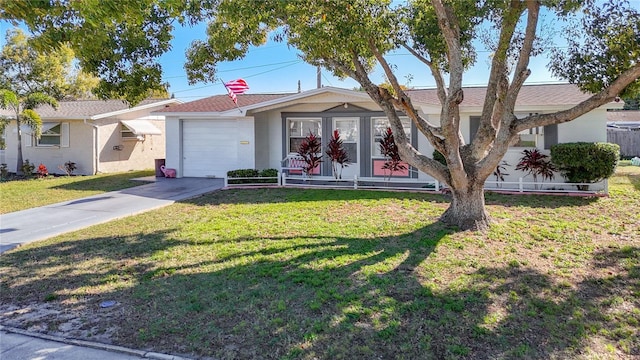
[(467, 209), (19, 164)]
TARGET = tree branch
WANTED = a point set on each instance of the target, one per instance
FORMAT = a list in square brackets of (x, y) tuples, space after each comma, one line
[(493, 111), (507, 133), (435, 71), (584, 107), (522, 72), (403, 101), (450, 115), (386, 102)]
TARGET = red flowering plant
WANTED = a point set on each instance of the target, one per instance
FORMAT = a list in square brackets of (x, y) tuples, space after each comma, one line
[(337, 154), (536, 163), (389, 150), (310, 152), (42, 171)]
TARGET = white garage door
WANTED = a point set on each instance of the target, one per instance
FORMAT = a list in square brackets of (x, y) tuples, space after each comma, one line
[(209, 148)]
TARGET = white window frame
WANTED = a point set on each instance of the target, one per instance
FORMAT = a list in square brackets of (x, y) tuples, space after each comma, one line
[(304, 133), (128, 134), (49, 134), (535, 135), (375, 145)]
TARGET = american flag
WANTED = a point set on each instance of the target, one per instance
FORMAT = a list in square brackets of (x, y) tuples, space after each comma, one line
[(235, 87)]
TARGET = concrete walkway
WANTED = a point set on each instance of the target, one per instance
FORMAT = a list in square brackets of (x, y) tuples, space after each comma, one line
[(30, 225), (16, 344)]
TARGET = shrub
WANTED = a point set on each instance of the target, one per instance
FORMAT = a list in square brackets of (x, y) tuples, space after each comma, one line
[(4, 172), (310, 151), (70, 167), (500, 173), (253, 176), (584, 162), (389, 150), (535, 163), (269, 173), (28, 168), (243, 173), (42, 171), (437, 156), (337, 154)]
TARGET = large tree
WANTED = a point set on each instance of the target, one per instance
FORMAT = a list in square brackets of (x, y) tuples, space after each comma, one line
[(23, 110), (351, 37), (26, 69), (30, 78)]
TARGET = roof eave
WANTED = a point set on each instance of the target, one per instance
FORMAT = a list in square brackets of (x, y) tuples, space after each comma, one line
[(135, 108)]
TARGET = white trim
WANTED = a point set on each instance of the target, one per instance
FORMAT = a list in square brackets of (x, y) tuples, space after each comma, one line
[(135, 108), (141, 127), (279, 101), (64, 135)]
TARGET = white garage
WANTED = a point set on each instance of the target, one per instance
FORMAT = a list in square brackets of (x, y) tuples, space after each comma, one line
[(210, 147)]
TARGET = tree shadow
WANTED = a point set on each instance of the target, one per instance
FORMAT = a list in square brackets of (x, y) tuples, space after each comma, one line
[(105, 183), (284, 195), (539, 201), (325, 297), (634, 179)]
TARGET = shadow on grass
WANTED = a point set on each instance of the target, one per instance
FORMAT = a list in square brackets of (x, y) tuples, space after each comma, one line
[(106, 182), (325, 297), (635, 180), (284, 195)]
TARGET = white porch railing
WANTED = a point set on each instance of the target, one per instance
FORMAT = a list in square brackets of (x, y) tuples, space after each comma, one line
[(520, 186), (295, 163)]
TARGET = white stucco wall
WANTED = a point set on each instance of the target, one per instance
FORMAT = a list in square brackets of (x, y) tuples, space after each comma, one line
[(80, 149), (262, 141), (135, 154), (247, 146), (588, 127), (173, 148)]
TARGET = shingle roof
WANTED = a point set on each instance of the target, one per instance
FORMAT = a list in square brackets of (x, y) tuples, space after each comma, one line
[(530, 95), (624, 115), (219, 103), (83, 108)]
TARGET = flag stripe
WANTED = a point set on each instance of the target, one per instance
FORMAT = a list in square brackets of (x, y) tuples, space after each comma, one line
[(238, 86), (233, 96)]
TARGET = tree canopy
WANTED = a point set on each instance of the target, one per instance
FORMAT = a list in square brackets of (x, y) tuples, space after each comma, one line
[(25, 70), (122, 41)]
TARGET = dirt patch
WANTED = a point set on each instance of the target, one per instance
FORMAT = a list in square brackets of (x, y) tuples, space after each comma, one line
[(77, 322)]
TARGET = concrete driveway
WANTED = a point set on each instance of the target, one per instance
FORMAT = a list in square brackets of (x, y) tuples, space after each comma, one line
[(40, 223)]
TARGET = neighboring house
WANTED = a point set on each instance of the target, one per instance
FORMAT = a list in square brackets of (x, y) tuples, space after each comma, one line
[(208, 137), (623, 119), (623, 128), (98, 136)]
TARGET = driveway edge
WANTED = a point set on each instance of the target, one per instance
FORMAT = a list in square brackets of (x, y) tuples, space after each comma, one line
[(93, 345)]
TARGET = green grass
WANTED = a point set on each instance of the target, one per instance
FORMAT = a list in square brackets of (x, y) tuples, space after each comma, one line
[(26, 194), (335, 274)]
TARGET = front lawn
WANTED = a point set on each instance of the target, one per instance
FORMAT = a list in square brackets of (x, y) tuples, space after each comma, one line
[(25, 194), (343, 274)]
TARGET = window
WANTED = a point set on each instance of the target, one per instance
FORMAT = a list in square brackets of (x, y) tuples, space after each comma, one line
[(51, 135), (526, 139), (299, 129), (348, 129), (529, 138), (380, 125), (3, 137), (127, 133)]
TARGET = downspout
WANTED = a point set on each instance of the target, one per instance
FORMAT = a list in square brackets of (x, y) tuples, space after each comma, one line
[(96, 137)]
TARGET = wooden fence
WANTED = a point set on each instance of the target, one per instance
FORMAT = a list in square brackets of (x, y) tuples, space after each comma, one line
[(628, 140)]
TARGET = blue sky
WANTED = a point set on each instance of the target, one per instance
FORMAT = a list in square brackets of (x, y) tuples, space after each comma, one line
[(274, 68)]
